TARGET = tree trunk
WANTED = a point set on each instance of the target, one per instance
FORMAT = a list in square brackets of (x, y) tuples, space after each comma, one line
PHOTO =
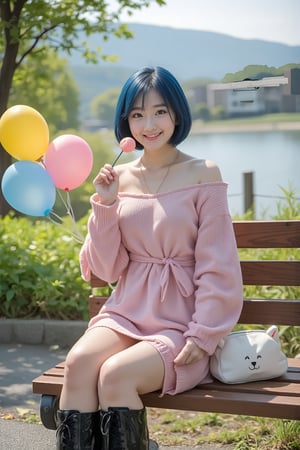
[(5, 162), (7, 71)]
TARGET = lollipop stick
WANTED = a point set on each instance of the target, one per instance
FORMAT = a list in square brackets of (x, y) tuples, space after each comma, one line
[(116, 159)]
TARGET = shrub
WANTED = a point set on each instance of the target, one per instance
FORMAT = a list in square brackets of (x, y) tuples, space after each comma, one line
[(287, 209), (39, 271), (40, 274)]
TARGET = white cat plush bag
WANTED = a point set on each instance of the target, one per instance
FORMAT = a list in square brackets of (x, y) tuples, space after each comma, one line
[(249, 355)]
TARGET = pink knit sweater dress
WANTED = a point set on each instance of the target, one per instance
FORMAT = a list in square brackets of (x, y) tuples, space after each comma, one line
[(175, 258)]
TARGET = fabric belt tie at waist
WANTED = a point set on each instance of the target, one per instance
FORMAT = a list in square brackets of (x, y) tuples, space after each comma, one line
[(171, 265)]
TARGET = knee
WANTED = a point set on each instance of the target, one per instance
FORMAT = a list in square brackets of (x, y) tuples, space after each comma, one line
[(113, 378), (78, 367)]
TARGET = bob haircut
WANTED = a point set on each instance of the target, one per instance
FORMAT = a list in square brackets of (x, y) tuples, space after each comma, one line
[(170, 90)]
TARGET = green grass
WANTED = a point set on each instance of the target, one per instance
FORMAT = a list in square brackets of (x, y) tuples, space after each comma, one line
[(171, 427), (187, 428)]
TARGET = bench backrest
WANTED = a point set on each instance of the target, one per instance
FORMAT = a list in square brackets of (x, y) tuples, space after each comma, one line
[(259, 271)]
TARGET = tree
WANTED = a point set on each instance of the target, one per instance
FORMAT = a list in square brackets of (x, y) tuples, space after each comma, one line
[(218, 113), (29, 27), (256, 72), (201, 111), (55, 95), (103, 106)]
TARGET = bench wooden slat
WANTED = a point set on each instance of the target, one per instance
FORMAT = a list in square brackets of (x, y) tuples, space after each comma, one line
[(264, 405), (278, 398), (255, 311), (267, 234), (205, 400), (52, 384), (287, 384), (55, 372), (96, 282), (271, 273), (260, 273), (48, 385), (270, 312), (95, 304)]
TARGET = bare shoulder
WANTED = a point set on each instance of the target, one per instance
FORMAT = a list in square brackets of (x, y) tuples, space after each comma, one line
[(209, 172), (204, 170)]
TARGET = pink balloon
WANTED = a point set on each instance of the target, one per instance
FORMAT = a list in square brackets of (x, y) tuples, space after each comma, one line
[(69, 161)]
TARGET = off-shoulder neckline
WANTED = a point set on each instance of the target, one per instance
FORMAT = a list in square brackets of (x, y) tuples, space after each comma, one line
[(199, 186)]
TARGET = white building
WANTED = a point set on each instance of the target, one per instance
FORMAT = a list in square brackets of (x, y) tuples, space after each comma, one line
[(252, 97)]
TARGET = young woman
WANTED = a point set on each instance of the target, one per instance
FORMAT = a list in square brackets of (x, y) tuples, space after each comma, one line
[(160, 226)]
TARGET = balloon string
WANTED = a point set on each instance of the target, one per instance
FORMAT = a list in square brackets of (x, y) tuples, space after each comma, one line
[(57, 220), (68, 205), (62, 199), (116, 159), (72, 215)]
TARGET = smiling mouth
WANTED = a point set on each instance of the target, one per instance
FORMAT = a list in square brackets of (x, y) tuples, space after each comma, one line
[(254, 368), (152, 137)]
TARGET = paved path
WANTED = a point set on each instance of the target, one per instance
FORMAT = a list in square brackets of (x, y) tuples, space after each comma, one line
[(19, 364)]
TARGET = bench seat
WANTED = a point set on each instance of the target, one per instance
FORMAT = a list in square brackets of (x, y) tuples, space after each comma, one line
[(276, 398)]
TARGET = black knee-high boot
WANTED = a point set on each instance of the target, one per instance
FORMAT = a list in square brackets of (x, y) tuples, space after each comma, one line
[(77, 431), (128, 430)]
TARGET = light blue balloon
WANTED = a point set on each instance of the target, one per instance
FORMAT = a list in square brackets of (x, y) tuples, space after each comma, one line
[(29, 188)]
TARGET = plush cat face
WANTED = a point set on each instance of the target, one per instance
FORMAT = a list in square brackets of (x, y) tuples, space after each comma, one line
[(245, 356)]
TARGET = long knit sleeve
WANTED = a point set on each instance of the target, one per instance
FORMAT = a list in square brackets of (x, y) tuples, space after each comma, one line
[(217, 277), (174, 255), (103, 252)]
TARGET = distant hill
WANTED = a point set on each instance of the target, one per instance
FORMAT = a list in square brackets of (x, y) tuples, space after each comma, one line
[(189, 54)]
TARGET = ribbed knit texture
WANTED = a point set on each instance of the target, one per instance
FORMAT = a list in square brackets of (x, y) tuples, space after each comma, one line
[(175, 256)]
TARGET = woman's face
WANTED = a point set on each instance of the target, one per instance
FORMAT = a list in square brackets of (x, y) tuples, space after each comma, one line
[(151, 122)]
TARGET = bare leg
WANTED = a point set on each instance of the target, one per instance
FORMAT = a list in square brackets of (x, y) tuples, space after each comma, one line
[(83, 364), (128, 374)]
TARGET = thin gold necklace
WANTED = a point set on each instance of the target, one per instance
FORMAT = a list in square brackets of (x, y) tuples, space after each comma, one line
[(143, 169)]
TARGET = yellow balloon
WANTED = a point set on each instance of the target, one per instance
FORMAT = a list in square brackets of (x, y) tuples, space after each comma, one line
[(24, 133)]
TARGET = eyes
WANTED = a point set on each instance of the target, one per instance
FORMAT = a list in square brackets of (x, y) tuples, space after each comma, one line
[(140, 114), (248, 357)]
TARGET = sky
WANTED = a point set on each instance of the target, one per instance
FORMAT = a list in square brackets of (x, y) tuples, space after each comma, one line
[(270, 20)]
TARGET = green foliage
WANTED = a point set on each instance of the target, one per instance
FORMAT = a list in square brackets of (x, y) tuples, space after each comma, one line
[(32, 27), (39, 268), (104, 106), (93, 80), (290, 207), (287, 209), (257, 72), (218, 113), (45, 83), (58, 24), (39, 271), (189, 429), (201, 111)]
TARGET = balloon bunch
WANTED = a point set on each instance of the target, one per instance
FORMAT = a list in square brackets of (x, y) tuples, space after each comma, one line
[(30, 184)]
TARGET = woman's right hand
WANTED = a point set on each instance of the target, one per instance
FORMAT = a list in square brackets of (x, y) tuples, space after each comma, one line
[(107, 184)]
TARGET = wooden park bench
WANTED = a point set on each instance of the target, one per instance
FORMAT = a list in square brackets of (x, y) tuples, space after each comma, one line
[(277, 398)]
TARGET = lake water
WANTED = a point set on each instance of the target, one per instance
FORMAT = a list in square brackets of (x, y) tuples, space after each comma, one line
[(273, 157)]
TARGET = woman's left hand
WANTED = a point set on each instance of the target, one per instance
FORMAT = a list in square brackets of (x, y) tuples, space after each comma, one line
[(190, 354)]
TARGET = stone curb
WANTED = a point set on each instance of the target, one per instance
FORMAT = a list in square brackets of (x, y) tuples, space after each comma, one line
[(41, 332)]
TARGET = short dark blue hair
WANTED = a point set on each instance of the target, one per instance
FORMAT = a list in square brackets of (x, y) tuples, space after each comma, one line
[(170, 90)]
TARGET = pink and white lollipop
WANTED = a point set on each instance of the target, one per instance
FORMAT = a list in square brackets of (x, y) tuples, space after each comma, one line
[(127, 145)]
